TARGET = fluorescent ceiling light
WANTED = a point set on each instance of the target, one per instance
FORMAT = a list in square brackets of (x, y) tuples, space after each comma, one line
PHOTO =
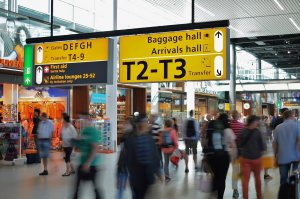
[(294, 86), (236, 30), (295, 24), (279, 5), (274, 87), (260, 43), (204, 10)]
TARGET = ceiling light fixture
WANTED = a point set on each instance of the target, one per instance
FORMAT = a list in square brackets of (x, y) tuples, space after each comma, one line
[(236, 30), (279, 5), (295, 24), (205, 10), (276, 54), (289, 52)]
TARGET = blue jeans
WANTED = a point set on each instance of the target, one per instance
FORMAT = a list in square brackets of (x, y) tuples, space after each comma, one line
[(284, 171)]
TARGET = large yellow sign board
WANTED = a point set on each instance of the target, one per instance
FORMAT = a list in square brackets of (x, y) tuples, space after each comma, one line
[(175, 56), (72, 51)]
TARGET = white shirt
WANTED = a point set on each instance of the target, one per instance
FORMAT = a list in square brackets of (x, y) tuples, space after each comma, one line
[(68, 133)]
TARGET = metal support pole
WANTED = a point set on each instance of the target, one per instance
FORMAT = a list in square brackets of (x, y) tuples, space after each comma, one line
[(259, 74), (193, 11), (51, 31), (232, 91)]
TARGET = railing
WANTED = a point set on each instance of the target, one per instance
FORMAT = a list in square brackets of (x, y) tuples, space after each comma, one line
[(269, 74)]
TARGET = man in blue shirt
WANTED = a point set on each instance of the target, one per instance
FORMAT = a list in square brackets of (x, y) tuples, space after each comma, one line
[(286, 145), (45, 132)]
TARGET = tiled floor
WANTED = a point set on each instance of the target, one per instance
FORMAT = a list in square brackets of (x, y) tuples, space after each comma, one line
[(23, 182)]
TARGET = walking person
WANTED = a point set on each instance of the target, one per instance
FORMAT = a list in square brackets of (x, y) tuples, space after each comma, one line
[(142, 160), (220, 140), (45, 133), (191, 137), (237, 128), (168, 143), (68, 133), (89, 159), (36, 121), (286, 145), (252, 147)]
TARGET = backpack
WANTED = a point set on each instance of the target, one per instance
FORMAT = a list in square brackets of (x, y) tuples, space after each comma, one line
[(166, 139), (215, 137), (190, 129)]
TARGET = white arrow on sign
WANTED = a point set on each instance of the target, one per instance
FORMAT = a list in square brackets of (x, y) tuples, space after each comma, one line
[(218, 41), (27, 81), (39, 75), (39, 54), (218, 66)]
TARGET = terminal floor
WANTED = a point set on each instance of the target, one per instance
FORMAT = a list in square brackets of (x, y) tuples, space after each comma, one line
[(23, 182)]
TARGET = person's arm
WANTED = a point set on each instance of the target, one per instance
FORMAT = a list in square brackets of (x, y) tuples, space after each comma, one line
[(175, 139)]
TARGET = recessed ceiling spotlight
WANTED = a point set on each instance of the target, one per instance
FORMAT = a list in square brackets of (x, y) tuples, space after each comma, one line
[(289, 52), (276, 54)]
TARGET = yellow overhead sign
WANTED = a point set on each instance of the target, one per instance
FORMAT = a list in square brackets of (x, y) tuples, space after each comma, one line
[(71, 51), (175, 56)]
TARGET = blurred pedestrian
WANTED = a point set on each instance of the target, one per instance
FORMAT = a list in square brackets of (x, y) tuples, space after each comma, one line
[(252, 147), (237, 128), (286, 145), (175, 125), (45, 133), (122, 171), (191, 137), (168, 143), (142, 160), (68, 133), (89, 158), (36, 121), (279, 119), (220, 140)]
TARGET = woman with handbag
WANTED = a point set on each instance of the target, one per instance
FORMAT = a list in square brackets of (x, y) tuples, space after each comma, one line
[(252, 147)]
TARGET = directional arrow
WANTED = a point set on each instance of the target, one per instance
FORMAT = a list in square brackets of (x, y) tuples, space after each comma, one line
[(39, 69), (219, 72), (27, 81), (218, 34), (40, 48)]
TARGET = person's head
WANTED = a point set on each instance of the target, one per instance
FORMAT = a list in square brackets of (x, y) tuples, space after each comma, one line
[(223, 118), (236, 115), (281, 111), (288, 114), (66, 118), (174, 120), (142, 124), (10, 27), (22, 35), (191, 113), (252, 122), (44, 116), (153, 118), (37, 113), (168, 123)]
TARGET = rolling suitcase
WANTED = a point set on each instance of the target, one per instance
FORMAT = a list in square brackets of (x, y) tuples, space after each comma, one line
[(290, 190)]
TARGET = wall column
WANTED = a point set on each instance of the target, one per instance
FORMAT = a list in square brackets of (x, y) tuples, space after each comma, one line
[(154, 98), (232, 91), (190, 96)]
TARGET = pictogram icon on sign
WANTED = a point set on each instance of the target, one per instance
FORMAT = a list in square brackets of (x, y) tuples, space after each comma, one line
[(39, 53), (46, 69), (39, 75)]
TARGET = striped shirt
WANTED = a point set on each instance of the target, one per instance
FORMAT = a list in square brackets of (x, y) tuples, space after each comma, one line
[(237, 128), (155, 132)]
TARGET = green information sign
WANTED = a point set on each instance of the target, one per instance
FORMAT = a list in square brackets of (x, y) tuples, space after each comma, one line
[(28, 63)]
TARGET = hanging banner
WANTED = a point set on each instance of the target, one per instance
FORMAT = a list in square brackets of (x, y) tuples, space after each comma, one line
[(175, 56)]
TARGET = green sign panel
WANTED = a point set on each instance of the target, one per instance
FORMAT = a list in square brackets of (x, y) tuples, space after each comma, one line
[(28, 63)]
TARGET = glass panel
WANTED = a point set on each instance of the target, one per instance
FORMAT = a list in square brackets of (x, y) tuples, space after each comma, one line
[(63, 10), (84, 17), (40, 5)]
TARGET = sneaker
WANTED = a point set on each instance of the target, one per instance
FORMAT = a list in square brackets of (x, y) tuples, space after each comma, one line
[(187, 170), (268, 177), (235, 194), (44, 173)]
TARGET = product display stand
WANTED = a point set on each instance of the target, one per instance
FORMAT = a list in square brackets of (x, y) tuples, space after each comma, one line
[(11, 143), (106, 143)]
